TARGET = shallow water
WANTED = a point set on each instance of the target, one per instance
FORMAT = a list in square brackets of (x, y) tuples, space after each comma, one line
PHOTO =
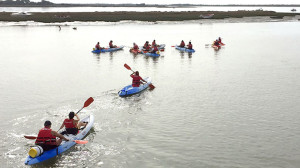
[(236, 107)]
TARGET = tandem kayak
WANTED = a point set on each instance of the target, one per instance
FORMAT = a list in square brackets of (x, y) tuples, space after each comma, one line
[(151, 54), (135, 51), (65, 145), (129, 90), (184, 49), (159, 47), (108, 49)]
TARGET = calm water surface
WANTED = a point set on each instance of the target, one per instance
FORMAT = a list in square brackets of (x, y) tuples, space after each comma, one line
[(236, 107)]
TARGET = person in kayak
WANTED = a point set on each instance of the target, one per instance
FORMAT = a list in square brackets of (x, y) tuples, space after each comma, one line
[(154, 49), (72, 126), (98, 46), (146, 46), (190, 46), (47, 137), (182, 44), (111, 44), (216, 43), (220, 40), (135, 46), (136, 79), (153, 43)]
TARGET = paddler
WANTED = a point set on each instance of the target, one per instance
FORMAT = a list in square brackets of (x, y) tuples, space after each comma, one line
[(154, 49), (111, 44), (47, 137), (153, 43), (182, 44), (190, 46), (135, 46), (136, 79), (146, 46), (97, 46), (72, 125)]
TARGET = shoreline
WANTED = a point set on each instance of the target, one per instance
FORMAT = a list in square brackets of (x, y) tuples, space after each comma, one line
[(59, 17)]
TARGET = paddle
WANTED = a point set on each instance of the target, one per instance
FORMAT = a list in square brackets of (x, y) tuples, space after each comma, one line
[(76, 141), (86, 103), (128, 67)]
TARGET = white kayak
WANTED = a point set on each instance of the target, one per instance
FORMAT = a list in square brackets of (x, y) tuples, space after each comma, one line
[(65, 145)]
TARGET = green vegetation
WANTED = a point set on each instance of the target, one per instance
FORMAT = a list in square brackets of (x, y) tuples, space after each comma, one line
[(139, 16)]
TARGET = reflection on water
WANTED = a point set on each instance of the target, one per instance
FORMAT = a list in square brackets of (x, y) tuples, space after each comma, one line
[(238, 105)]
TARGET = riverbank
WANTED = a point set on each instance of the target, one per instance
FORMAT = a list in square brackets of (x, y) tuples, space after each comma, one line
[(137, 16)]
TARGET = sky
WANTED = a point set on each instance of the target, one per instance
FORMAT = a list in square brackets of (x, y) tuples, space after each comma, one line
[(179, 1)]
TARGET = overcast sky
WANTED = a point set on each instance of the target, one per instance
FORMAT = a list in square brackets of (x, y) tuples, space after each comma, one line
[(181, 1)]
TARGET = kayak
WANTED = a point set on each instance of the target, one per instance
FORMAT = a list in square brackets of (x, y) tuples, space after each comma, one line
[(184, 49), (65, 145), (129, 90), (108, 49), (160, 46), (151, 54), (135, 51), (216, 47)]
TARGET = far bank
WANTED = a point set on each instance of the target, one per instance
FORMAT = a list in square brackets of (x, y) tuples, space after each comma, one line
[(136, 16)]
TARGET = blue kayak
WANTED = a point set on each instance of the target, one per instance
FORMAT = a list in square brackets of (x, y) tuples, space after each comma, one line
[(184, 49), (108, 49), (161, 46), (65, 145), (151, 54), (129, 90)]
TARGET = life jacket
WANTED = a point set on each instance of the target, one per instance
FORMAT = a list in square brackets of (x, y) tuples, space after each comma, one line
[(182, 44), (147, 47), (190, 46), (153, 43), (135, 80), (97, 46), (45, 137), (135, 47), (111, 45), (155, 49), (69, 123)]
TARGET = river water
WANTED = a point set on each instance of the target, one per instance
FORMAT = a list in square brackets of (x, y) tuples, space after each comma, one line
[(236, 107)]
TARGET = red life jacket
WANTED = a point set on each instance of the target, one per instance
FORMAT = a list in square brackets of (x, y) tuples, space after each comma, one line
[(45, 137), (69, 123), (190, 46), (155, 49), (97, 46), (153, 43), (147, 48), (136, 80), (111, 45), (136, 47), (182, 44)]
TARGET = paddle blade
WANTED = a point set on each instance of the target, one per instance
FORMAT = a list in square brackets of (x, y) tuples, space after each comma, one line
[(80, 141), (151, 86), (30, 137), (127, 67), (88, 102)]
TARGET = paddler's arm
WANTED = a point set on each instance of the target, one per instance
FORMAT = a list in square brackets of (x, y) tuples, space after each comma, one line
[(59, 135), (62, 126), (77, 116)]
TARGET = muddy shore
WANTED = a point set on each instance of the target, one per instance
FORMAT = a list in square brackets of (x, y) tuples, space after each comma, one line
[(53, 17)]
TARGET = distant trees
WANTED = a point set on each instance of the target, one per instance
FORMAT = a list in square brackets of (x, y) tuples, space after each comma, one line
[(24, 3)]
